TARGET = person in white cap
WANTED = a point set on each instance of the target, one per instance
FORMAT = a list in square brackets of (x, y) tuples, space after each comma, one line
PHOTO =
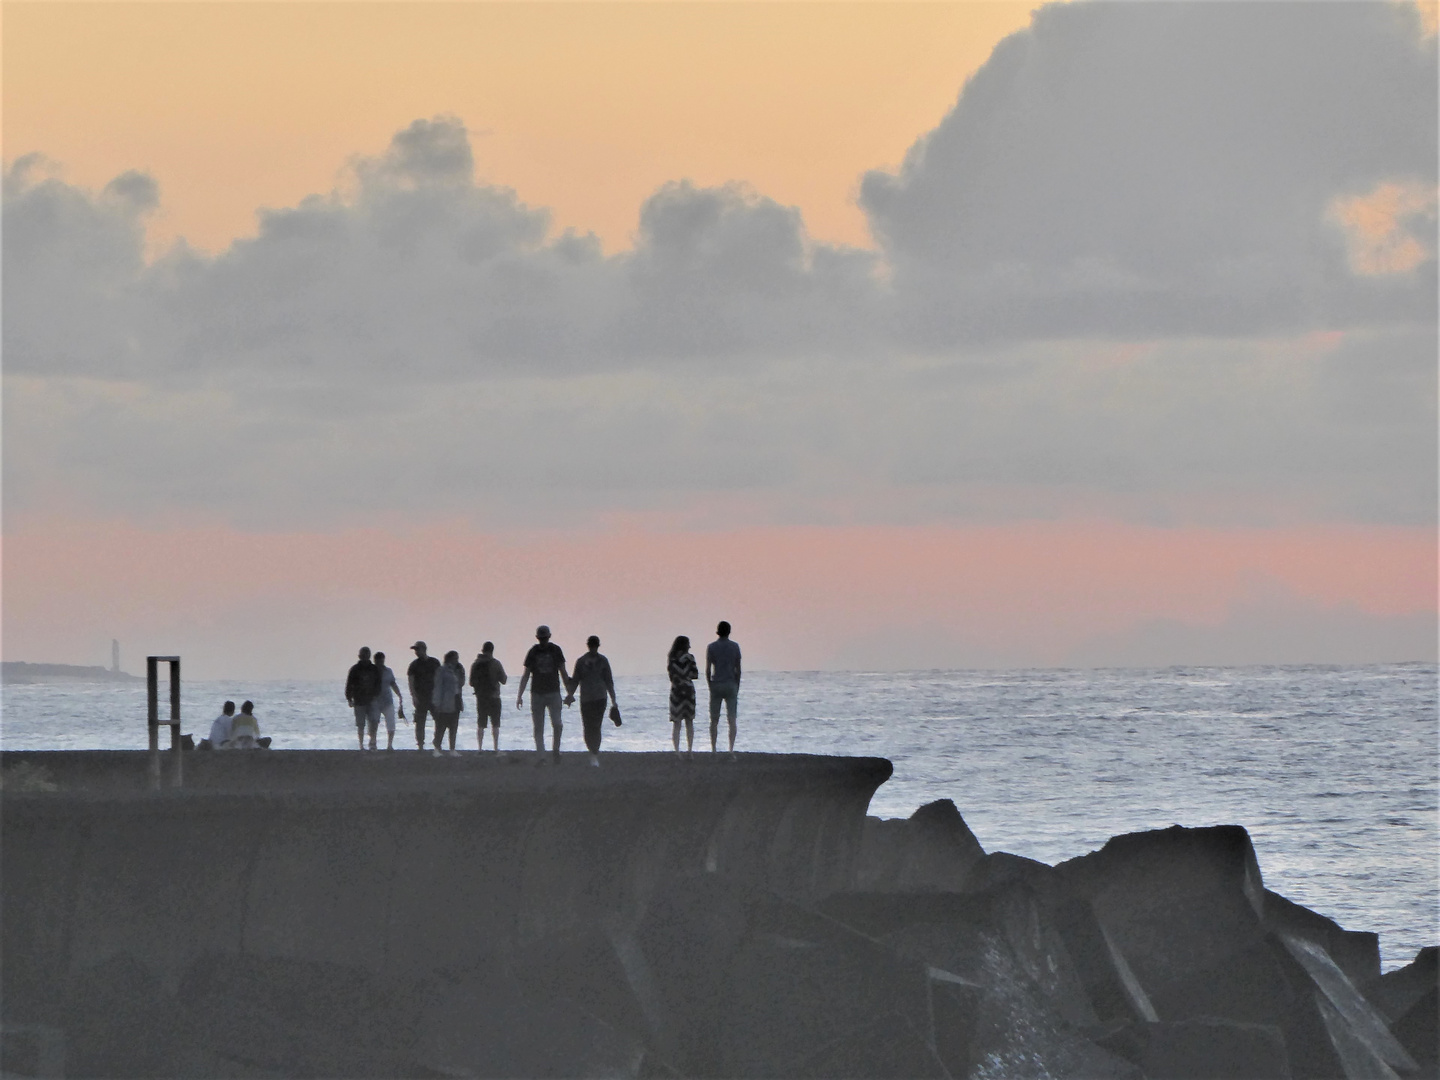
[(545, 663), (421, 675)]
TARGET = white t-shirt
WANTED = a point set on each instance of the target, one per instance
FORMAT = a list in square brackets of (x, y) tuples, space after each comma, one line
[(220, 730), (387, 683)]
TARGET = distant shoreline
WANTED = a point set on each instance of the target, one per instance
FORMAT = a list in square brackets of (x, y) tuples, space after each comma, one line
[(18, 671)]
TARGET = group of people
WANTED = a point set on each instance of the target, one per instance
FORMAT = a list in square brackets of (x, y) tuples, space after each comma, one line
[(437, 693)]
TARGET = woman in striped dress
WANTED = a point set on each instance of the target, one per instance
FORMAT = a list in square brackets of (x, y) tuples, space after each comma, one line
[(683, 674)]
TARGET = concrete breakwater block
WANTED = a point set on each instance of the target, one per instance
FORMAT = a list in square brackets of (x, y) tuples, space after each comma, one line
[(931, 849), (352, 915)]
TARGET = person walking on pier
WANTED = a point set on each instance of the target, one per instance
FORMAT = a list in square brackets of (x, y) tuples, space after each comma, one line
[(447, 700), (683, 673), (722, 675), (487, 675), (421, 676), (389, 696), (362, 691), (596, 685), (545, 664)]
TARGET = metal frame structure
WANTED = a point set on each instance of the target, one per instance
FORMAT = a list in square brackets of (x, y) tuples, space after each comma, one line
[(152, 665)]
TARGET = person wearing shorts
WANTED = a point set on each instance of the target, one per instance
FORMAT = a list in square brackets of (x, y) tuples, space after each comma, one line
[(722, 674), (389, 696), (596, 685), (362, 691), (487, 675), (545, 663)]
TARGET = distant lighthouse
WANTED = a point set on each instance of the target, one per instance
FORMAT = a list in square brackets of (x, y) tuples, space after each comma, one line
[(115, 655)]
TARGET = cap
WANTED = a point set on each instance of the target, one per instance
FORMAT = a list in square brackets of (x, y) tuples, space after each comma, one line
[(418, 645)]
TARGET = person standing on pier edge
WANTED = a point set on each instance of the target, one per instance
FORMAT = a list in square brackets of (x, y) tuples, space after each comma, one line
[(447, 700), (722, 674), (362, 691), (421, 676), (487, 675), (389, 695), (545, 663), (683, 673), (597, 685)]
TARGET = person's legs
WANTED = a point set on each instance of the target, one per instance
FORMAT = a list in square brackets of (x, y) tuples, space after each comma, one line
[(592, 717), (675, 734), (732, 700), (689, 734), (554, 703), (715, 698), (454, 728), (492, 714), (537, 714), (421, 708), (361, 714), (388, 712)]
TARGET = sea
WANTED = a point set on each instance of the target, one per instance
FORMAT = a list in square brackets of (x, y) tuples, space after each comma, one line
[(1333, 770)]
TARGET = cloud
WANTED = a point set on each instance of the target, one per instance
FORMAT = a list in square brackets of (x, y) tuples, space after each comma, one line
[(1386, 230), (1164, 262), (1164, 169)]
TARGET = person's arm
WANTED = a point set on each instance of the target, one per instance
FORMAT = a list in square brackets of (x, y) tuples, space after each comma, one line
[(610, 684), (737, 666), (709, 666), (410, 681), (350, 688), (569, 683), (503, 679), (524, 681)]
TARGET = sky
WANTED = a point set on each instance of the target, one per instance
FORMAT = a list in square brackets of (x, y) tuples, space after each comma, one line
[(899, 335)]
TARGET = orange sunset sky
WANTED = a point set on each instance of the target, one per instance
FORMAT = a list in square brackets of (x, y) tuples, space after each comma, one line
[(338, 323)]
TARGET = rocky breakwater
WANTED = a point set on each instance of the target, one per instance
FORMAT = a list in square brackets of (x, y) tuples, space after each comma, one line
[(297, 914)]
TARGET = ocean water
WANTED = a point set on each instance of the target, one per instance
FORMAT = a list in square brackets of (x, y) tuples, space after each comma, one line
[(1334, 771)]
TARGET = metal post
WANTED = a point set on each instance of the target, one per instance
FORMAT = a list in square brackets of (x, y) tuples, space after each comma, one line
[(152, 679), (178, 779), (152, 685)]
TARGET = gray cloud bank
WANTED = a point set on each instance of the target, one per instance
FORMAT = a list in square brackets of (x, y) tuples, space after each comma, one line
[(1168, 261)]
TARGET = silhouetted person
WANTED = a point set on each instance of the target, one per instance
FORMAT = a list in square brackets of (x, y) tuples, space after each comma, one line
[(487, 675), (722, 674), (388, 698), (220, 729), (446, 700), (362, 691), (421, 676), (683, 673), (245, 729), (596, 685), (545, 664)]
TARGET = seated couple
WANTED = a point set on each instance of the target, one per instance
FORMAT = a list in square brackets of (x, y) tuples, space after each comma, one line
[(231, 732)]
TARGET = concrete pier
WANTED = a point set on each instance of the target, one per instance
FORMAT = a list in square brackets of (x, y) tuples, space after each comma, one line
[(392, 862)]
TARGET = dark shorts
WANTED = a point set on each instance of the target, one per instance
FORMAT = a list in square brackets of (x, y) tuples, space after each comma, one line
[(367, 717), (488, 709)]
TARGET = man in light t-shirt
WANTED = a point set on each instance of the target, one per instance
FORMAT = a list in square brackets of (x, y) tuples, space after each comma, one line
[(722, 673)]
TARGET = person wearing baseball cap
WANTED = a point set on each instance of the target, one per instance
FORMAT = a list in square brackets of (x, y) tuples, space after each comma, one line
[(421, 674)]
